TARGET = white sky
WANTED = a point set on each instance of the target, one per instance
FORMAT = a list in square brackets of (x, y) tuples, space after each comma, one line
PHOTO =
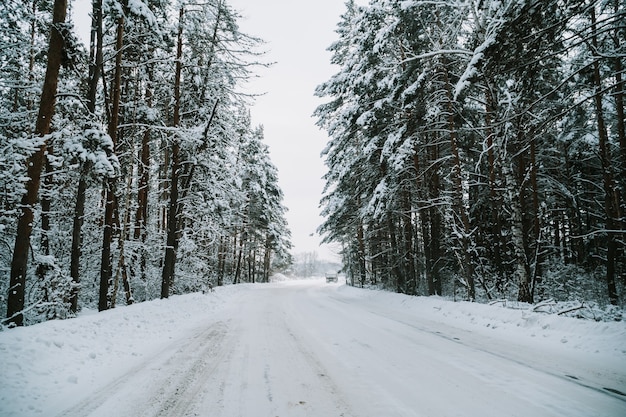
[(297, 35)]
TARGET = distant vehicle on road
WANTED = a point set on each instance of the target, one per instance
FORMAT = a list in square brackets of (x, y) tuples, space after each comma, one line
[(331, 277)]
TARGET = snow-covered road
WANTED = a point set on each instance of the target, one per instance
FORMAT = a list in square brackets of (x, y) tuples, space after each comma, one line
[(311, 349)]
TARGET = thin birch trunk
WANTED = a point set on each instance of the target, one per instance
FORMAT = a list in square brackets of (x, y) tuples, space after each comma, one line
[(122, 269), (520, 263), (237, 278)]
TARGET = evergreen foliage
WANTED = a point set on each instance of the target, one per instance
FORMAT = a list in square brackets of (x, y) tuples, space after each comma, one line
[(110, 151), (477, 148)]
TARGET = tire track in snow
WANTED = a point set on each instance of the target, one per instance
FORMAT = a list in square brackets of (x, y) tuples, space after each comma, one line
[(187, 384), (270, 371), (507, 368), (325, 382), (161, 384), (618, 394), (611, 392)]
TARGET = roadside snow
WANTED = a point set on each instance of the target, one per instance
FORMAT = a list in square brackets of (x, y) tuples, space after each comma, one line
[(48, 367), (524, 325)]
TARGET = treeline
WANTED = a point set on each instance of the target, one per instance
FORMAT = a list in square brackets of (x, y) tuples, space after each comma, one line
[(478, 147), (130, 170)]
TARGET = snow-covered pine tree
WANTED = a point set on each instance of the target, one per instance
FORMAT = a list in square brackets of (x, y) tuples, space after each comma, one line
[(35, 164), (353, 90), (465, 125), (24, 35), (69, 223)]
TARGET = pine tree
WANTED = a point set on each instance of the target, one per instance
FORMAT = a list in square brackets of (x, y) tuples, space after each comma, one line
[(457, 144), (15, 300)]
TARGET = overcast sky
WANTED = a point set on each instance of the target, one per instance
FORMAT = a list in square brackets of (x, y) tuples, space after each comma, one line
[(297, 35)]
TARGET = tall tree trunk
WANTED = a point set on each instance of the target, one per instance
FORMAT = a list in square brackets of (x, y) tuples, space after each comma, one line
[(79, 212), (95, 54), (536, 244), (377, 254), (19, 263), (361, 251), (122, 268), (409, 253), (267, 258), (144, 178), (393, 242), (611, 193), (252, 266), (221, 261), (169, 263), (494, 199), (106, 267), (621, 131), (434, 215), (237, 277), (459, 207), (95, 66), (573, 216), (164, 184), (426, 236), (435, 250), (428, 191), (619, 99), (621, 117), (520, 263), (233, 254), (30, 102), (141, 216), (46, 204)]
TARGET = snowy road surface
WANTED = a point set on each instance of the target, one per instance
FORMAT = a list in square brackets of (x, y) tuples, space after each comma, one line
[(311, 349)]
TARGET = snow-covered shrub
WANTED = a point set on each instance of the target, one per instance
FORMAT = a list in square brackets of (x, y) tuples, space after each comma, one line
[(50, 297), (572, 283)]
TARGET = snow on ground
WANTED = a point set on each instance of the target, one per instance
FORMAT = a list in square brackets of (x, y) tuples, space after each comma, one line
[(249, 338), (43, 367), (519, 323)]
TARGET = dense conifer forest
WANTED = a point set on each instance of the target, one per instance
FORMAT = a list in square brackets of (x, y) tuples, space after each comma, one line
[(478, 148), (129, 168)]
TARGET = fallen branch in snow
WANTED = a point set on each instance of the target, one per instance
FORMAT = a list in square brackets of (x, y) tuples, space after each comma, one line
[(3, 322), (569, 310), (548, 303)]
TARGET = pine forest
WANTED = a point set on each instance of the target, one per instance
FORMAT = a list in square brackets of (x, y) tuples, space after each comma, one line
[(477, 148), (129, 168)]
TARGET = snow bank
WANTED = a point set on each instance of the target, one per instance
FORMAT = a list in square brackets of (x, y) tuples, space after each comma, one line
[(51, 362), (278, 278), (522, 324)]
